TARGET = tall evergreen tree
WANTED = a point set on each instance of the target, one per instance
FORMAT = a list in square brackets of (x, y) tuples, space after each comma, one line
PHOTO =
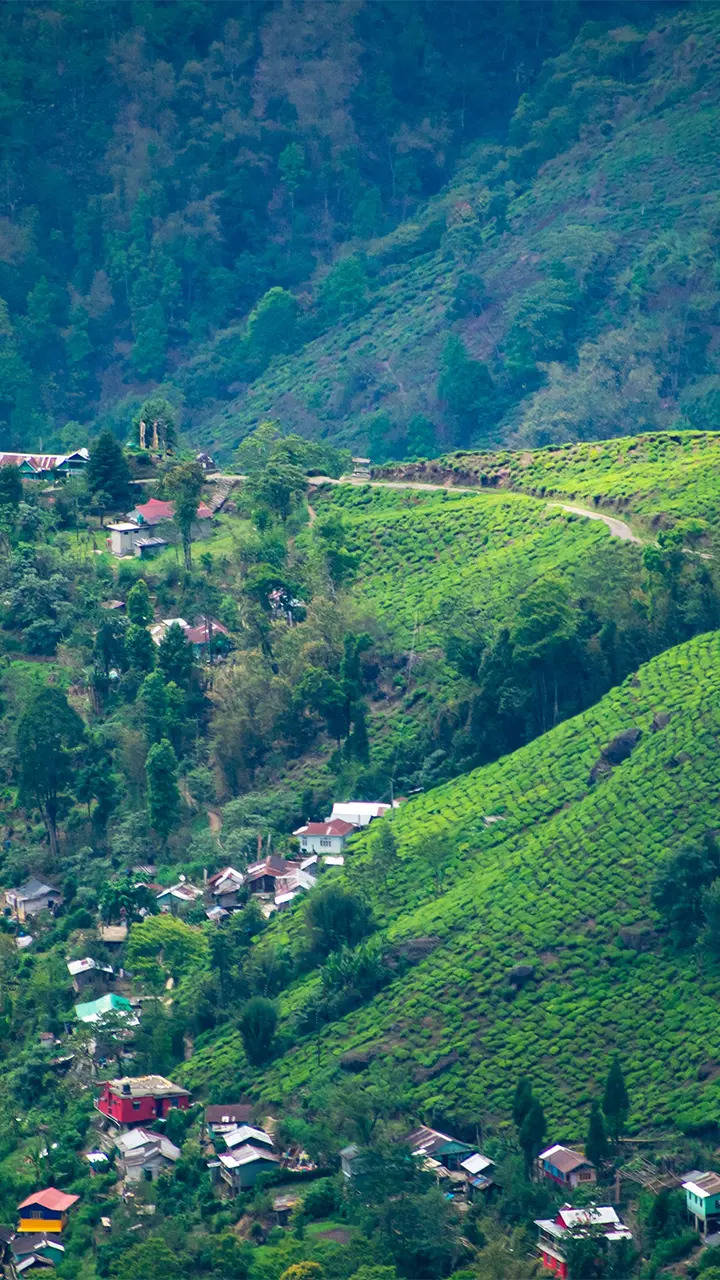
[(139, 608), (175, 657), (522, 1100), (108, 472), (258, 1021), (48, 733), (532, 1132), (11, 490), (615, 1103), (163, 796), (596, 1143), (184, 485)]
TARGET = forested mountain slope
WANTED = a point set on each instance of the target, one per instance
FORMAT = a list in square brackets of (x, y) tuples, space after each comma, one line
[(574, 265), (546, 867), (500, 227), (203, 154)]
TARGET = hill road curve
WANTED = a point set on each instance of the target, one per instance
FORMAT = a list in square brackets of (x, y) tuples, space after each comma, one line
[(618, 528)]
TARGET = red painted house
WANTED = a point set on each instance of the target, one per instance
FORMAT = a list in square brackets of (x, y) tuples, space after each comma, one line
[(597, 1220), (137, 1100)]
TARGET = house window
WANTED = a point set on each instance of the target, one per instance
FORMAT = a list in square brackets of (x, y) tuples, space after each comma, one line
[(325, 844), (136, 1104)]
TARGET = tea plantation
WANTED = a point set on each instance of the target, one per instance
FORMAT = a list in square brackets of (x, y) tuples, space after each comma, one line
[(421, 554), (657, 478), (546, 869)]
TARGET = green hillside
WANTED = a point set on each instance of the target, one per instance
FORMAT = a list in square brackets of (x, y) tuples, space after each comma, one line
[(207, 165), (575, 264), (657, 478), (409, 235), (553, 882), (422, 555), (447, 573)]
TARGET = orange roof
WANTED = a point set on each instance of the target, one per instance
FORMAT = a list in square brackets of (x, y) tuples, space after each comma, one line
[(50, 1198)]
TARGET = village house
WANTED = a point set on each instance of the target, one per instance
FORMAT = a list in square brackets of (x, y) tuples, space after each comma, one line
[(45, 1212), (36, 466), (702, 1200), (262, 877), (156, 512), (136, 1100), (240, 1168), (569, 1222), (457, 1166), (430, 1144), (478, 1170), (179, 898), (30, 1252), (324, 837), (247, 1133), (223, 1117), (122, 536), (207, 637), (113, 935), (206, 461), (141, 532), (31, 898), (359, 813), (283, 1207), (87, 971), (289, 887), (159, 630), (142, 1155), (565, 1167), (348, 1160), (95, 1010), (225, 886), (315, 864)]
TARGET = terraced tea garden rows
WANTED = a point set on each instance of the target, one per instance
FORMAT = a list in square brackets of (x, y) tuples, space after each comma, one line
[(552, 882), (658, 478), (421, 554)]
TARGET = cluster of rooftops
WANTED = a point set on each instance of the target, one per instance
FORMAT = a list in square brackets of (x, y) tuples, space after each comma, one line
[(238, 1149), (38, 465), (273, 880)]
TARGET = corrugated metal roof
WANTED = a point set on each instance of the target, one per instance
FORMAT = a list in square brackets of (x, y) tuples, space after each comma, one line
[(50, 1198)]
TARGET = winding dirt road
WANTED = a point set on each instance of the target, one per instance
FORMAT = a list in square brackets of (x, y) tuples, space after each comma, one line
[(618, 528)]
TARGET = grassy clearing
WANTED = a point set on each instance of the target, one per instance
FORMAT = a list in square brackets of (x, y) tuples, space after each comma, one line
[(227, 534)]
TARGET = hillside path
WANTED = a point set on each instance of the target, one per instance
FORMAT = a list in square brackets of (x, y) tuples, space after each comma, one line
[(618, 528)]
